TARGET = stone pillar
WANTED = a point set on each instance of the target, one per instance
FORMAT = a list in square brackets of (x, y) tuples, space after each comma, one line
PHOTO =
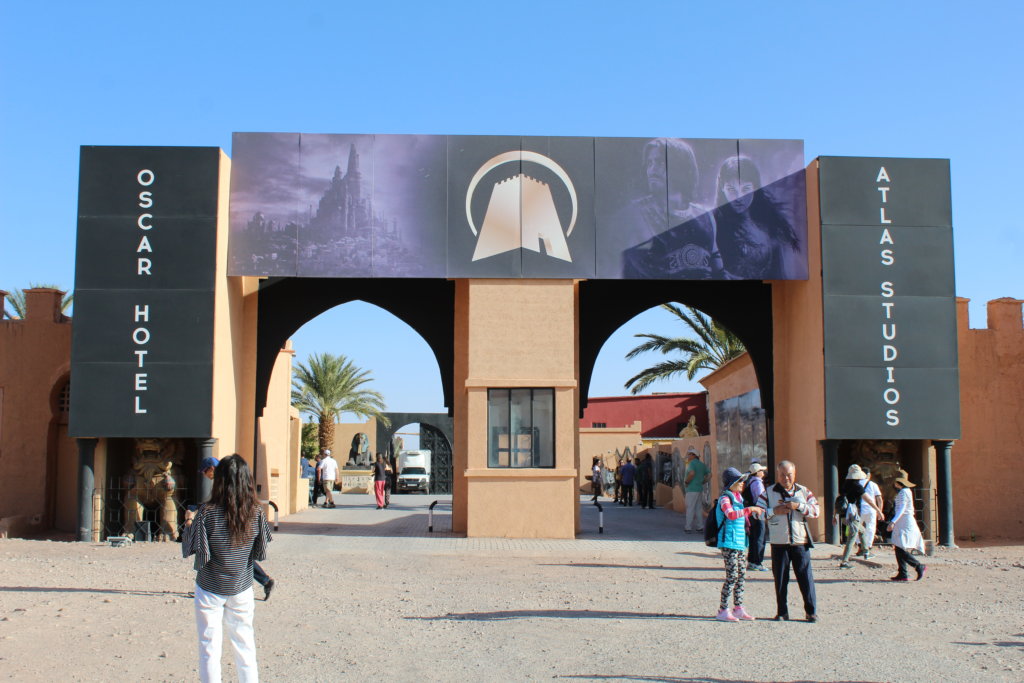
[(515, 335), (944, 471), (205, 487), (86, 484), (830, 449)]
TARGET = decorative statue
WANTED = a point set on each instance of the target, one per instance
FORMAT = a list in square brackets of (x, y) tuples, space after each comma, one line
[(155, 465), (691, 428), (359, 453)]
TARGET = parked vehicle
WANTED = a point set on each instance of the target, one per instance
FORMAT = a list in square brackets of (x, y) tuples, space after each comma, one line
[(414, 471)]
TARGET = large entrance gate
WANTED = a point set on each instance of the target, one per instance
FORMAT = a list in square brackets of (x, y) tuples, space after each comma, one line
[(514, 258)]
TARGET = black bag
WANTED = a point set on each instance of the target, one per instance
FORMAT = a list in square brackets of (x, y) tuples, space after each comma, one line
[(711, 526)]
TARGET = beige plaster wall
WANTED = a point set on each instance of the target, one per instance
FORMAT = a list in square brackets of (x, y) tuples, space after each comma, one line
[(344, 432), (603, 442), (510, 334), (798, 338), (992, 424), (34, 365), (279, 470)]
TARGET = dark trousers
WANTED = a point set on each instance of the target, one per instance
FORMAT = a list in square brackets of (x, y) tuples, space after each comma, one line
[(755, 549), (626, 494), (800, 557), (258, 575), (645, 491), (595, 488), (904, 558), (618, 491)]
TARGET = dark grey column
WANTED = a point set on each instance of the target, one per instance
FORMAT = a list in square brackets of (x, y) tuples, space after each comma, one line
[(830, 447), (205, 487), (86, 485), (944, 470)]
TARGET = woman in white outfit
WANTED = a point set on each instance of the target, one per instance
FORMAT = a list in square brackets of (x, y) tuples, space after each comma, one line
[(906, 536), (226, 535), (868, 514)]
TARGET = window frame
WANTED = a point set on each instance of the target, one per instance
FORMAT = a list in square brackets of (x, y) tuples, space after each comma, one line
[(511, 454)]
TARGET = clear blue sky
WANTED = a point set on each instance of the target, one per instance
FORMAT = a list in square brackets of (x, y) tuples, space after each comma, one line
[(914, 79)]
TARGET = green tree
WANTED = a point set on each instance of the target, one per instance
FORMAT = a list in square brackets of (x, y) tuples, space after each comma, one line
[(310, 442), (14, 304), (714, 347), (331, 385)]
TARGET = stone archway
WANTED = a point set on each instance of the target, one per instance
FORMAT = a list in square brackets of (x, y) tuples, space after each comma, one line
[(439, 430)]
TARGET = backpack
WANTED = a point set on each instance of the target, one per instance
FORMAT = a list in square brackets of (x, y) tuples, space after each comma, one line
[(711, 527), (748, 497)]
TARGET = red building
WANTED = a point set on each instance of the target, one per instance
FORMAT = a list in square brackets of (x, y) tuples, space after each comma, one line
[(662, 416)]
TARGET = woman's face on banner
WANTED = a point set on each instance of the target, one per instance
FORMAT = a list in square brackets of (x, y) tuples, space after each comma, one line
[(740, 194)]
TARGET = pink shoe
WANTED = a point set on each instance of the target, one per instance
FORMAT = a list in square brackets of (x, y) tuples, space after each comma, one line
[(741, 613), (725, 615)]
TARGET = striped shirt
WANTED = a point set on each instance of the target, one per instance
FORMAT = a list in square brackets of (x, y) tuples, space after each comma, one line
[(221, 568)]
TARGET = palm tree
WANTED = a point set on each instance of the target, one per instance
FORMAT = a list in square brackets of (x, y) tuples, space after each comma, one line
[(714, 347), (329, 386), (16, 299)]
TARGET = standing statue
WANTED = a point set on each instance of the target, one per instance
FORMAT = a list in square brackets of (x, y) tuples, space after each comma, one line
[(152, 482)]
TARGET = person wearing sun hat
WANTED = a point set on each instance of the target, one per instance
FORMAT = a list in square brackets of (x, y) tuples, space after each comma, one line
[(732, 517), (853, 496), (906, 535), (756, 533)]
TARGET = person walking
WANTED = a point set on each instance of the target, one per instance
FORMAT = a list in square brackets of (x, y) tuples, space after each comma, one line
[(697, 474), (732, 516), (208, 467), (852, 497), (309, 474), (645, 481), (316, 479), (389, 481), (380, 480), (906, 535), (787, 506), (595, 478), (226, 536), (752, 490), (869, 513), (327, 472), (628, 479)]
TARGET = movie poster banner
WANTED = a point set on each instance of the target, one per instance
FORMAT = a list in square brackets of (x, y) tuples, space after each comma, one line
[(503, 206)]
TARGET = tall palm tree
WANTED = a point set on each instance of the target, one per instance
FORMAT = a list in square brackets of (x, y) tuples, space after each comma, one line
[(331, 385), (16, 301), (714, 347)]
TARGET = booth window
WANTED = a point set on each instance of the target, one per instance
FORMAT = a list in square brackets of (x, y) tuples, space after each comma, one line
[(521, 428)]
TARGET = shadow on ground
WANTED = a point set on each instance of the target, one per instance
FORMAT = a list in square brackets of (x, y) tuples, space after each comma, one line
[(115, 591), (508, 615)]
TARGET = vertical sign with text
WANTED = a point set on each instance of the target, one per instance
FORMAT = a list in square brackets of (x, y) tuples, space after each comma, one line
[(145, 262), (889, 299)]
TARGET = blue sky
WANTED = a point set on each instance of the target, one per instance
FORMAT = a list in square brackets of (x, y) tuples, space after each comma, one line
[(913, 79)]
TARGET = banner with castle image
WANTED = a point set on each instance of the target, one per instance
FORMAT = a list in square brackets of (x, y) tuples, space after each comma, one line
[(507, 206)]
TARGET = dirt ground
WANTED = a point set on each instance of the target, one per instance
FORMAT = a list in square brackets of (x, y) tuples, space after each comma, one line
[(370, 595)]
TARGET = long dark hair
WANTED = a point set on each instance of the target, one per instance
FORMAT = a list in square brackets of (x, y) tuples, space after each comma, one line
[(235, 493), (765, 211)]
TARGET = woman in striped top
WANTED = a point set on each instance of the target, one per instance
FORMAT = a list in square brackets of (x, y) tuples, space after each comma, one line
[(226, 536)]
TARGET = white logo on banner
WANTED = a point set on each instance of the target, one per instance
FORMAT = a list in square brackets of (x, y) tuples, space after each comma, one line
[(521, 212)]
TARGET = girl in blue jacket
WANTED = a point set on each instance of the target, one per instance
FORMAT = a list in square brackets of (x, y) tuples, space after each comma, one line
[(732, 540)]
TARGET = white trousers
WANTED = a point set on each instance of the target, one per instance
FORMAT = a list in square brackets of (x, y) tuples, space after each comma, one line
[(694, 511), (236, 610), (870, 519)]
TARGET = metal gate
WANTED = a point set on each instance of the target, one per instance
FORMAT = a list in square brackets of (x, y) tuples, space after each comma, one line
[(434, 440)]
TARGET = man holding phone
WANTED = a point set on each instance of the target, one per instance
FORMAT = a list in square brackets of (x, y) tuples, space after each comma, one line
[(787, 506)]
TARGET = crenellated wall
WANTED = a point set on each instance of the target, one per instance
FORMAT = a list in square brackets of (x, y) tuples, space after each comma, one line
[(987, 472)]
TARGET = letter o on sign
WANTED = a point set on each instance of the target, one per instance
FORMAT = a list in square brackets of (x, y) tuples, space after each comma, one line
[(891, 396), (146, 177), (140, 336)]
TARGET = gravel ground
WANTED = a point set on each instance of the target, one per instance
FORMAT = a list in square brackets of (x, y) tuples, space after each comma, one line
[(369, 595)]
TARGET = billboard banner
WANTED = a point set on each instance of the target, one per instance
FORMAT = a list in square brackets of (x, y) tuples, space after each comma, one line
[(507, 207), (142, 343), (889, 299)]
